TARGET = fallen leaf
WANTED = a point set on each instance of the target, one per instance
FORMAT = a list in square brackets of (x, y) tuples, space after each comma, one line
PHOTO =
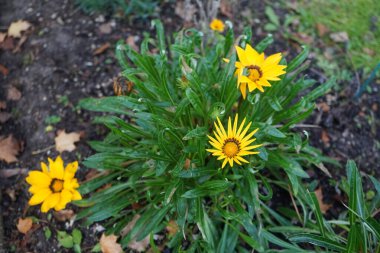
[(9, 148), (339, 36), (325, 137), (5, 173), (7, 44), (185, 10), (11, 193), (65, 141), (3, 105), (4, 70), (133, 244), (225, 9), (4, 116), (172, 227), (105, 28), (13, 93), (305, 38), (187, 164), (24, 225), (131, 41), (322, 29), (324, 207), (17, 27), (102, 48), (108, 244), (2, 37), (323, 106), (64, 215)]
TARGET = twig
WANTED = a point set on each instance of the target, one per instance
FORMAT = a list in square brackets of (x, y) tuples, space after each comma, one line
[(42, 150), (2, 250), (295, 205)]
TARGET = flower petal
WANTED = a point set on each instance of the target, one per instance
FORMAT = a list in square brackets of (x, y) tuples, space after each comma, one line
[(70, 170), (38, 178), (40, 196), (50, 202), (56, 168), (66, 197)]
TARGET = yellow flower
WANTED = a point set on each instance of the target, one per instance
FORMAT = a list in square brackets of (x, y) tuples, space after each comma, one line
[(256, 70), (217, 25), (55, 186), (233, 144)]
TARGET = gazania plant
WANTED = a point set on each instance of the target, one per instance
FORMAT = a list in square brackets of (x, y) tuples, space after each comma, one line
[(202, 143)]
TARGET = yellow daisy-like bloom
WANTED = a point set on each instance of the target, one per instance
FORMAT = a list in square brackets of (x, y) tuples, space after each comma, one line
[(217, 25), (255, 70), (233, 144), (55, 186)]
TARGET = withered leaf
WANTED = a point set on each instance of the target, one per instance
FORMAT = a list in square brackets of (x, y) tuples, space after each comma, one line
[(24, 225), (108, 244), (65, 141), (9, 148), (17, 27), (13, 93), (324, 207)]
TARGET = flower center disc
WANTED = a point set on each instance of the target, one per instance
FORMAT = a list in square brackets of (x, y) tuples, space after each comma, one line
[(231, 148), (56, 185), (254, 72)]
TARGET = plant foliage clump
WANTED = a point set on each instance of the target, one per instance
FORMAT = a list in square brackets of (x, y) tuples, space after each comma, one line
[(154, 159)]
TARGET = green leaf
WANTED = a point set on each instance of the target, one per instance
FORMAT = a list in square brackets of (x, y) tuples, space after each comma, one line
[(77, 236), (272, 16), (318, 241), (296, 62), (152, 223), (65, 239), (198, 132), (272, 131), (318, 213), (96, 248), (209, 188), (195, 101), (47, 233), (262, 45), (196, 172)]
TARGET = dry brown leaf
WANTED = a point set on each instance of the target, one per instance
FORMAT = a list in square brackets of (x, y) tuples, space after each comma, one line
[(322, 29), (339, 37), (9, 148), (3, 105), (64, 215), (172, 227), (4, 116), (225, 9), (65, 141), (24, 225), (102, 48), (7, 44), (325, 137), (13, 93), (105, 28), (4, 70), (131, 41), (319, 194), (11, 193), (108, 244), (185, 10), (17, 27), (369, 51), (187, 164), (2, 37), (5, 173), (323, 106), (133, 244)]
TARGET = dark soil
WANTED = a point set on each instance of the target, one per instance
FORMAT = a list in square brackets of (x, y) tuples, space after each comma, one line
[(56, 67)]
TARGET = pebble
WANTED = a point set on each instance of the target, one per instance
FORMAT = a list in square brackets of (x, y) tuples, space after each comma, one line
[(54, 15), (100, 19)]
